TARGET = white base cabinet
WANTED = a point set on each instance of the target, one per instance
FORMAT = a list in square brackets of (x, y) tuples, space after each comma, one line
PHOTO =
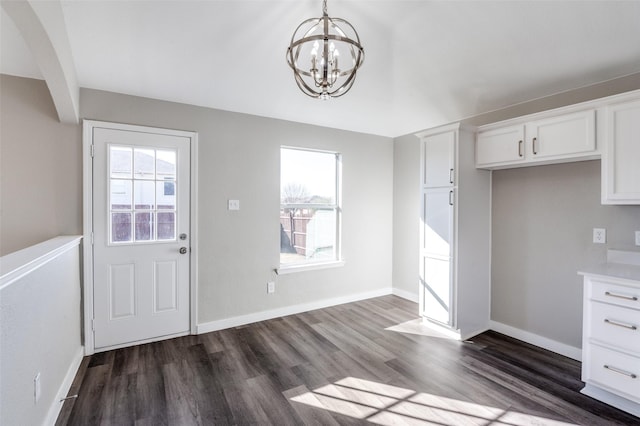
[(611, 334), (455, 229)]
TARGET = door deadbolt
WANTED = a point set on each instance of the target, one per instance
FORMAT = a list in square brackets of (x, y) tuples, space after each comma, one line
[(183, 237), (183, 250)]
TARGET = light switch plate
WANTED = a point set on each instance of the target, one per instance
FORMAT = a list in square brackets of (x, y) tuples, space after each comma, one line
[(234, 205), (271, 287), (599, 235)]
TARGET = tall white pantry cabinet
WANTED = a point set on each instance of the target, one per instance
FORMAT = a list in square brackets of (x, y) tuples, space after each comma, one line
[(455, 232)]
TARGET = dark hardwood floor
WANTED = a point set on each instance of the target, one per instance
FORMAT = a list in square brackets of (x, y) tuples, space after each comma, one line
[(369, 362)]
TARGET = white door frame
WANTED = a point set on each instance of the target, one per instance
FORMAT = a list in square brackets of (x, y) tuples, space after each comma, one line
[(87, 192)]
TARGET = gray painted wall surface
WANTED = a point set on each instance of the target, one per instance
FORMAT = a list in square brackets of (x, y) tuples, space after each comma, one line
[(40, 167), (406, 213), (542, 219), (239, 158)]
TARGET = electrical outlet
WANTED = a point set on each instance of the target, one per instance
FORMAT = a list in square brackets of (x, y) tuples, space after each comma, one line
[(234, 205), (37, 389), (599, 235), (638, 238), (271, 287)]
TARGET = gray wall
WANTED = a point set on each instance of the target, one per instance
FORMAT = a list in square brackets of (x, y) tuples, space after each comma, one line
[(406, 214), (239, 158), (40, 169), (543, 219), (542, 222)]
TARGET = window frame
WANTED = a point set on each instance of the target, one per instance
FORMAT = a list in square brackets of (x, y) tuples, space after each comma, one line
[(337, 260)]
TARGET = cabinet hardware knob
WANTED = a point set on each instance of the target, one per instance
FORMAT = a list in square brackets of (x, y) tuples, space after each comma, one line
[(520, 154), (619, 371), (620, 324), (621, 296), (451, 198), (450, 175), (535, 151)]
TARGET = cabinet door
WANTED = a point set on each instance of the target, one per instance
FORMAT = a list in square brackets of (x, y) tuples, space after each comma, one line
[(437, 222), (437, 239), (621, 157), (438, 157), (567, 134), (500, 146), (437, 290)]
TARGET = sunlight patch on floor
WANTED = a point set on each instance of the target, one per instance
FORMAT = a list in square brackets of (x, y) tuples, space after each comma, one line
[(421, 327), (391, 405)]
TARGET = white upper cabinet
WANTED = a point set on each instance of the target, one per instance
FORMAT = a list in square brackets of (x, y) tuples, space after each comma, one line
[(439, 157), (564, 135), (500, 146), (542, 139), (621, 155)]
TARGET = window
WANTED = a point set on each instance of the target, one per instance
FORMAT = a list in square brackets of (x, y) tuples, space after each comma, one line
[(309, 207), (142, 206)]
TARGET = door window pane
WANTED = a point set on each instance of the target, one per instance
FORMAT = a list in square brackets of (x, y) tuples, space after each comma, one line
[(144, 194), (120, 194), (121, 161), (165, 165), (144, 226), (166, 226), (166, 195), (120, 227), (144, 161)]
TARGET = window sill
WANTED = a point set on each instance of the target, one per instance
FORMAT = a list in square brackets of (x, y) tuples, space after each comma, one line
[(283, 270)]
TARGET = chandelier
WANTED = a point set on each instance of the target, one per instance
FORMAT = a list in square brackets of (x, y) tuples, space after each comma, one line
[(319, 48)]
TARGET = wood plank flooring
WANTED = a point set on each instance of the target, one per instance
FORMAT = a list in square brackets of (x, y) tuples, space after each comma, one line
[(369, 362)]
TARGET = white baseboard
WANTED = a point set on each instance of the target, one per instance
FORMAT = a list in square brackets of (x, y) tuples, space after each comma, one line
[(63, 390), (611, 399), (413, 297), (537, 340), (288, 310)]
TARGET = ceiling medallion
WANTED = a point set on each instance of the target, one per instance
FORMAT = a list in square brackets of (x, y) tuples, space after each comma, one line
[(319, 47)]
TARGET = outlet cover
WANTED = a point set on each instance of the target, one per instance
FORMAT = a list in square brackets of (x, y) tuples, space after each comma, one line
[(271, 287), (599, 235), (638, 238), (234, 204)]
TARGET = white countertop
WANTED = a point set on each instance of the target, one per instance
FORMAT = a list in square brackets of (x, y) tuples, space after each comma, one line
[(624, 265)]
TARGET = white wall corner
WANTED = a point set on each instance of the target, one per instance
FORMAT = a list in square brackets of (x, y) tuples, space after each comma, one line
[(413, 297), (537, 340), (43, 28)]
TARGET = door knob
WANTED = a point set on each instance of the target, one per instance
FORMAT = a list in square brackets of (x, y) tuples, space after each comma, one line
[(183, 250)]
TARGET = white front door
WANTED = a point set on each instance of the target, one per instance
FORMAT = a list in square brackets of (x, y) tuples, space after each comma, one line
[(141, 225)]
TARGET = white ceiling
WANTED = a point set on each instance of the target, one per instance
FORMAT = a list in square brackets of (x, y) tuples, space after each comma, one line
[(427, 62)]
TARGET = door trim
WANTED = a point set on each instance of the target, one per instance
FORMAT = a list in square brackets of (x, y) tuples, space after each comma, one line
[(87, 216)]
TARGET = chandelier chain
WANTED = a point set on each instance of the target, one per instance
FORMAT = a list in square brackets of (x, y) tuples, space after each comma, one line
[(324, 7)]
